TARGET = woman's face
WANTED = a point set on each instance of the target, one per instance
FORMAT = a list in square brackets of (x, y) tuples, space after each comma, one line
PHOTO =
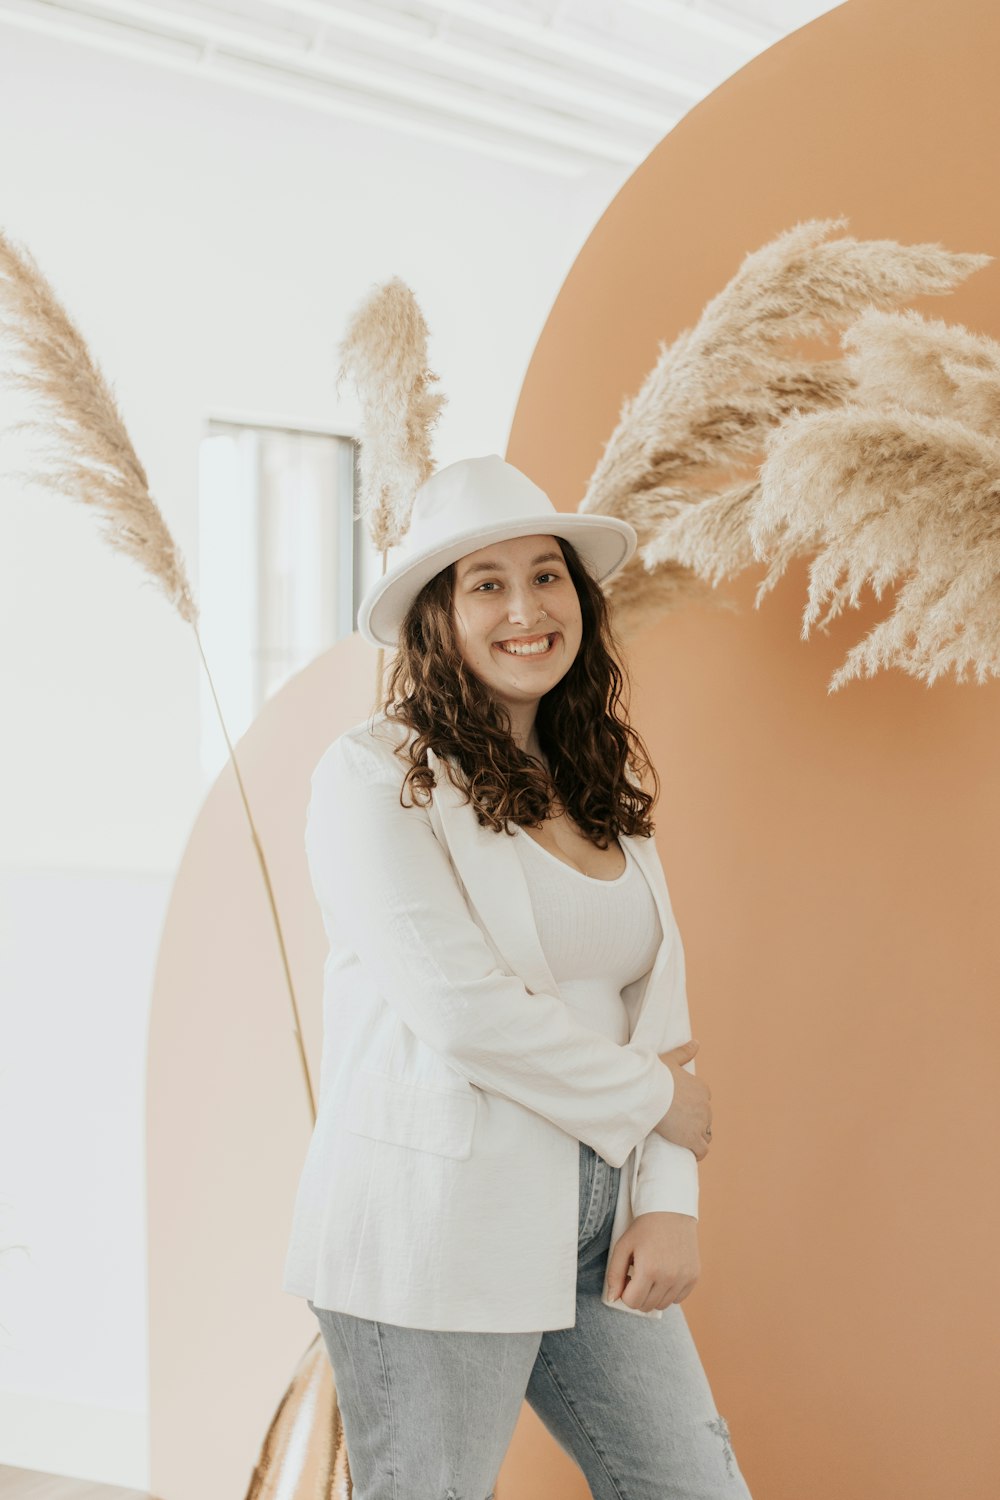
[(500, 594)]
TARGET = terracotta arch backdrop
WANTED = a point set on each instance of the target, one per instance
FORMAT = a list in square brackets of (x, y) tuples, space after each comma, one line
[(831, 860)]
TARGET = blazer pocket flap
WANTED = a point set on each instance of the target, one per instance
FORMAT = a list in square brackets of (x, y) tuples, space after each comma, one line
[(419, 1115)]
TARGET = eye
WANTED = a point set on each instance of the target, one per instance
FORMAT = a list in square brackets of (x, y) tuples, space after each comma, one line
[(491, 580)]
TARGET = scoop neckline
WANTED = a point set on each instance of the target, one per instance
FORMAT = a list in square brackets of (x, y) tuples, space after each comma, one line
[(594, 879)]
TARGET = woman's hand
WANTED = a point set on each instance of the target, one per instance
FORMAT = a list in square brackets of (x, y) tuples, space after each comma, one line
[(690, 1114), (663, 1249)]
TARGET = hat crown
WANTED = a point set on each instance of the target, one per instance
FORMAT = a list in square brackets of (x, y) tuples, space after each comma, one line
[(471, 493)]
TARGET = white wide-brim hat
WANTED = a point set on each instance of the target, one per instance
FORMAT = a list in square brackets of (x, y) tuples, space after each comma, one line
[(461, 508)]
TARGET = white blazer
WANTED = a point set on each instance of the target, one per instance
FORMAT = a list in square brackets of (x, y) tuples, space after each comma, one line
[(441, 1185)]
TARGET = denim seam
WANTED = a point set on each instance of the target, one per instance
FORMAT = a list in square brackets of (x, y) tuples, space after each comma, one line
[(603, 1187), (567, 1402), (608, 1189), (388, 1408), (592, 1200)]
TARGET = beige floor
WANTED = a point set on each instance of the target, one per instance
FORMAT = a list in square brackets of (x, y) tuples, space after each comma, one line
[(32, 1484)]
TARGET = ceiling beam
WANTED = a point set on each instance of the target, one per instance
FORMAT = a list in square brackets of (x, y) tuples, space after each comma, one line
[(327, 101)]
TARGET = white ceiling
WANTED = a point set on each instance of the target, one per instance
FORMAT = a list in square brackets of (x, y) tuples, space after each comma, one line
[(558, 85)]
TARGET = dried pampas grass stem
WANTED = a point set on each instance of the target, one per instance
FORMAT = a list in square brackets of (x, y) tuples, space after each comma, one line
[(908, 499), (93, 458), (93, 461), (684, 463), (384, 354)]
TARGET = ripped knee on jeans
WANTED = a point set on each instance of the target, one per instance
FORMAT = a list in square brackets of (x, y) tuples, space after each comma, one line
[(719, 1425)]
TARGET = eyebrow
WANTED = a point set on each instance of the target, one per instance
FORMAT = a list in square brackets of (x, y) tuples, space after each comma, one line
[(498, 567)]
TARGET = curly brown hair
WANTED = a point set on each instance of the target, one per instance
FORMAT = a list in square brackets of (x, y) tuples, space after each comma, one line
[(587, 742)]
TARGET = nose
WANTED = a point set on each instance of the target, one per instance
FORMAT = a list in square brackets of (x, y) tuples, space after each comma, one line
[(525, 609)]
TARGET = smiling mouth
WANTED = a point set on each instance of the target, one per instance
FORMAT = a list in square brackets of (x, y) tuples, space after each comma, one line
[(534, 647)]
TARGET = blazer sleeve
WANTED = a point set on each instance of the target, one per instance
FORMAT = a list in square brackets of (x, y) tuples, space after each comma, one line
[(668, 1178), (381, 872)]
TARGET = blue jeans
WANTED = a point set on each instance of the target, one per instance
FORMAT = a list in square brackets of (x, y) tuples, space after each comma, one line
[(429, 1414)]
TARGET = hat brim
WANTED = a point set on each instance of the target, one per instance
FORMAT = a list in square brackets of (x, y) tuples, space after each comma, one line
[(604, 542)]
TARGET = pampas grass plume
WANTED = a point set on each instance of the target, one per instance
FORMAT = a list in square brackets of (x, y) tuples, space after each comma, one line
[(384, 353), (92, 457)]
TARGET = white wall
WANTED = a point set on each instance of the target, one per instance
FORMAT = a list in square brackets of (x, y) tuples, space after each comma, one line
[(210, 246), (76, 973)]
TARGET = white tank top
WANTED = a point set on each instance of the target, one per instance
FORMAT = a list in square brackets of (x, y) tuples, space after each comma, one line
[(597, 935)]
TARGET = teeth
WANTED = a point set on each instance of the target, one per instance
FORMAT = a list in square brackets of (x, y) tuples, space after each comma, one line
[(537, 649)]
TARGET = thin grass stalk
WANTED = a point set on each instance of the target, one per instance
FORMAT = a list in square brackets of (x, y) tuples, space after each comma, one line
[(380, 654), (97, 464), (268, 887)]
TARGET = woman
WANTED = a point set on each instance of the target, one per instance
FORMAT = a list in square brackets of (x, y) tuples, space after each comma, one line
[(505, 1157)]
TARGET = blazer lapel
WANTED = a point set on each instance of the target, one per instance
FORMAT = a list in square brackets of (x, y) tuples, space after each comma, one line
[(490, 870), (648, 860)]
